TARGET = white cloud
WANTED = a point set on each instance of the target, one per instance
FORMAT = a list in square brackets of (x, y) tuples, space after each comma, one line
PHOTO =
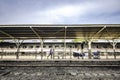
[(78, 11), (88, 11)]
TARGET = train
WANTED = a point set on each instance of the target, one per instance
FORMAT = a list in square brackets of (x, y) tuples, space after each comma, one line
[(26, 48)]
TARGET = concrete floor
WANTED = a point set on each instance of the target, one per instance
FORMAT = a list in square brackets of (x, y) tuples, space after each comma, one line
[(13, 57)]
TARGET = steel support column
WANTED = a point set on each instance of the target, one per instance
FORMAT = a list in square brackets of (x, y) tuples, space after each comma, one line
[(114, 49), (18, 50), (41, 41), (65, 42), (2, 51), (106, 53), (41, 48), (18, 43), (70, 53), (14, 39), (89, 49)]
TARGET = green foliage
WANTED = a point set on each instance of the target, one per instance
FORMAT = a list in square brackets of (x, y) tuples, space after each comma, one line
[(1, 40), (79, 40)]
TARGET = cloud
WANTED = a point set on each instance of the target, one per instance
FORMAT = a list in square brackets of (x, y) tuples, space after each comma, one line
[(89, 11)]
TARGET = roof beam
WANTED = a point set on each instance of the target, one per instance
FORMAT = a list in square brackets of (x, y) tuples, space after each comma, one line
[(16, 40), (99, 31), (35, 32), (7, 34), (60, 25)]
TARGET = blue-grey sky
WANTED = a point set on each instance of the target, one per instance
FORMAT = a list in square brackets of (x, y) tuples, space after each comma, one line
[(59, 11)]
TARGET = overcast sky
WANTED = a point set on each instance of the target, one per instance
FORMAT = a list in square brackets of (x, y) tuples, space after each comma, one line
[(59, 11)]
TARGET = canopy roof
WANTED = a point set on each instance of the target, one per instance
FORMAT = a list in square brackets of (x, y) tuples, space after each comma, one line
[(60, 31)]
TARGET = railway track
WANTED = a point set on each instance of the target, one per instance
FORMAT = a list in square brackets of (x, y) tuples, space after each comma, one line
[(60, 73), (60, 70)]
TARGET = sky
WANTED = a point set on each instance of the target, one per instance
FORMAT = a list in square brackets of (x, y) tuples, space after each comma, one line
[(59, 11)]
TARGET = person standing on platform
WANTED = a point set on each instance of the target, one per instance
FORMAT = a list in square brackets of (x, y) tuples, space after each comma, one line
[(51, 53)]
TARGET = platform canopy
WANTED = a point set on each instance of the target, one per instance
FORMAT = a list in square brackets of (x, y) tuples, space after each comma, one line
[(60, 31)]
